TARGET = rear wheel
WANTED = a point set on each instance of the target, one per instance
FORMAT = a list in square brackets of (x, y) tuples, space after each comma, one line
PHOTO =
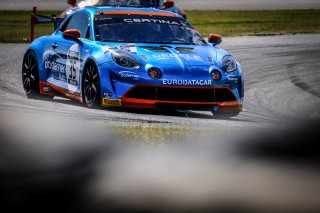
[(91, 86), (30, 75)]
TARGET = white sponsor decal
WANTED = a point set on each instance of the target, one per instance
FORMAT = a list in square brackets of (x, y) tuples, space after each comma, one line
[(187, 82), (128, 74), (73, 67), (107, 48), (46, 89), (184, 56), (155, 21), (129, 47), (54, 66), (125, 47)]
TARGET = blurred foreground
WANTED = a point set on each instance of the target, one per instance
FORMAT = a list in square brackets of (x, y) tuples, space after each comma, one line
[(55, 165)]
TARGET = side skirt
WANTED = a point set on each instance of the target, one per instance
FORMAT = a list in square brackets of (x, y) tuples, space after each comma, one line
[(53, 90)]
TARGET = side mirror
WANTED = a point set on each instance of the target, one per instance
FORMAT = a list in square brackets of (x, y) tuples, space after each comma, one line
[(214, 39), (72, 33)]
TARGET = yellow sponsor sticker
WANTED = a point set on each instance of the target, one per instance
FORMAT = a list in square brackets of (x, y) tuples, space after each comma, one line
[(111, 102)]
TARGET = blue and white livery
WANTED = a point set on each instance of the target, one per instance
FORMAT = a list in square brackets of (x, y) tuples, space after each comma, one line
[(135, 58)]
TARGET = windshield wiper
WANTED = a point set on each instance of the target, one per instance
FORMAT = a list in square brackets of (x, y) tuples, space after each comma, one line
[(150, 42), (165, 42), (180, 42)]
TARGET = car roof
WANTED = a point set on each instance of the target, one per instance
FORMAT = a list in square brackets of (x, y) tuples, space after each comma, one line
[(129, 10)]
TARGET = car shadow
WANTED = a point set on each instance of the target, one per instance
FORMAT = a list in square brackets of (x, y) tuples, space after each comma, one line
[(167, 112), (178, 113)]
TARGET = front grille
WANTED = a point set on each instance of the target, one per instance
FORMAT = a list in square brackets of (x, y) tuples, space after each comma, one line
[(181, 94)]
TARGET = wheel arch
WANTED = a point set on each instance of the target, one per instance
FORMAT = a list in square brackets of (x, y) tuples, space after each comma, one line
[(37, 49), (36, 55), (35, 89), (87, 63)]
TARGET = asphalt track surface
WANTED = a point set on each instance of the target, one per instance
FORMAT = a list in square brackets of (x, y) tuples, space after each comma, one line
[(268, 172), (281, 82), (185, 4)]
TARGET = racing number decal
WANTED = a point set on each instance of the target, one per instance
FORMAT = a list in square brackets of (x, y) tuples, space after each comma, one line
[(73, 67), (72, 75)]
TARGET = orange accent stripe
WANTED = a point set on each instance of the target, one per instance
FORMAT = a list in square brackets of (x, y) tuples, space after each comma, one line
[(59, 91), (132, 12), (138, 103), (151, 104)]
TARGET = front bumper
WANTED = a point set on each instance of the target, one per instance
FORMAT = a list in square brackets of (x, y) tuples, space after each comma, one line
[(178, 97)]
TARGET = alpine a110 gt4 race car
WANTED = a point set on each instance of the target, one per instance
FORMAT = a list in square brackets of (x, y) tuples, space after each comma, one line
[(133, 58)]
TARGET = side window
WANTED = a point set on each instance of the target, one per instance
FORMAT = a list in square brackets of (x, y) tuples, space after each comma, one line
[(64, 26), (79, 21)]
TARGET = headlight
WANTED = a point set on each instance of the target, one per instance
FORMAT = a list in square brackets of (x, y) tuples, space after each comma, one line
[(229, 64), (125, 60)]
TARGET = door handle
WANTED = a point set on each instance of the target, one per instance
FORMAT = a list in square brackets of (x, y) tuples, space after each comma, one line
[(54, 45)]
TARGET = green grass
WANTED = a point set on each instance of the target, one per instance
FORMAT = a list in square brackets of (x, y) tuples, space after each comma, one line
[(243, 23), (153, 134), (15, 25), (150, 134), (159, 135)]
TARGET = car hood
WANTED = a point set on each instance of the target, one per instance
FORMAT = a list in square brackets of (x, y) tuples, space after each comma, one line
[(187, 55), (162, 54), (171, 59)]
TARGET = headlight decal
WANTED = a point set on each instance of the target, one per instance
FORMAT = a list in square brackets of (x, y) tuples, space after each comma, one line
[(125, 60)]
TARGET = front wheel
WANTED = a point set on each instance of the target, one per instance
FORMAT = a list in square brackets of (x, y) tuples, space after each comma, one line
[(91, 86), (30, 75)]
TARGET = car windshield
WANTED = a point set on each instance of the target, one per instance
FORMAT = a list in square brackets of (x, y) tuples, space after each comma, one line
[(145, 29)]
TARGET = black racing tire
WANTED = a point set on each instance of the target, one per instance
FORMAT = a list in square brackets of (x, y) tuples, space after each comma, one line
[(30, 75), (91, 86)]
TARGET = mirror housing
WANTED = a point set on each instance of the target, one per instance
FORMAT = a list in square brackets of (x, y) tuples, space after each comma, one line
[(72, 33), (214, 39)]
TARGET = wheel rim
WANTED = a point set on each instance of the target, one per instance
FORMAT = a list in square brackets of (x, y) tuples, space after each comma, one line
[(90, 84), (29, 71)]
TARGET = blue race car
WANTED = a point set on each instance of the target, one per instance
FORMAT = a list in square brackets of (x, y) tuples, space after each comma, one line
[(133, 58)]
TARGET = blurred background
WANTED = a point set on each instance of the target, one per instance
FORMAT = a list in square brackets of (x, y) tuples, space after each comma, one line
[(185, 4), (59, 156)]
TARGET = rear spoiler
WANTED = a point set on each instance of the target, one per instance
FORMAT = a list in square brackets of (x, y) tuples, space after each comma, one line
[(39, 19)]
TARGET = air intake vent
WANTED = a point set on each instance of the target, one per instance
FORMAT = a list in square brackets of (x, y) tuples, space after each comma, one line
[(155, 49), (185, 50), (181, 94)]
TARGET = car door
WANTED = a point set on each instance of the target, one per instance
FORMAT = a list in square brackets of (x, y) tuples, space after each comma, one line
[(70, 54)]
